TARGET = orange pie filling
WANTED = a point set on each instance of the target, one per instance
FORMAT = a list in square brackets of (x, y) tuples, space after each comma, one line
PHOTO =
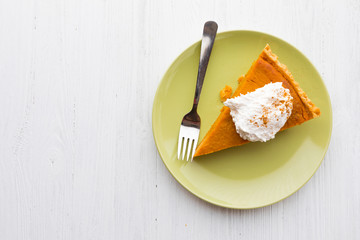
[(266, 69)]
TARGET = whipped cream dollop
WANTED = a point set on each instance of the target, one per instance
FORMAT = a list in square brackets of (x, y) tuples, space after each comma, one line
[(259, 115)]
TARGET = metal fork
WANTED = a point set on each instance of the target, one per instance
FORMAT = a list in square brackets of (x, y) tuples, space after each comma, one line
[(190, 125)]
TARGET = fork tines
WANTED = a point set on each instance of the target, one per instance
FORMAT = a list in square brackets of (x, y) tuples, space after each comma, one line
[(188, 138)]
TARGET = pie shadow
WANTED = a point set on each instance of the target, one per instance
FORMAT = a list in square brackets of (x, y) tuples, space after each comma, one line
[(253, 160)]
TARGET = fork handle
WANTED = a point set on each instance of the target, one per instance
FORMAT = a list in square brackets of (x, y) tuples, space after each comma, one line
[(207, 42)]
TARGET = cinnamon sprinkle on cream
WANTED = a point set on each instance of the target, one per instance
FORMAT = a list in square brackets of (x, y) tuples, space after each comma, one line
[(259, 115)]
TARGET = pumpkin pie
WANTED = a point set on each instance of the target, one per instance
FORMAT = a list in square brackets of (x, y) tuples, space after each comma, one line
[(265, 69)]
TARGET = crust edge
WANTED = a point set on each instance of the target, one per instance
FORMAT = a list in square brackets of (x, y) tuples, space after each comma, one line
[(285, 71)]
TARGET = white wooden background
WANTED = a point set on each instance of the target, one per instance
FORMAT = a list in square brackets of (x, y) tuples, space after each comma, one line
[(77, 155)]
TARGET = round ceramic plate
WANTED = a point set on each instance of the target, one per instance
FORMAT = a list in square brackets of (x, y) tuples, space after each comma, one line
[(256, 174)]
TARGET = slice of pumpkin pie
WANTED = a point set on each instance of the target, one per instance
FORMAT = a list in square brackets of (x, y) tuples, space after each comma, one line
[(226, 132)]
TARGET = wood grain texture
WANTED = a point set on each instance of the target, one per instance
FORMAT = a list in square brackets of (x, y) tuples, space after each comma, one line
[(77, 156)]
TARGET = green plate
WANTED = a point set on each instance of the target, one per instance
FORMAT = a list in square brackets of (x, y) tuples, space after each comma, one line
[(256, 174)]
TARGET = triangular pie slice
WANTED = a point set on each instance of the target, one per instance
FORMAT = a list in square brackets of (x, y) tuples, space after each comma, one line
[(265, 69)]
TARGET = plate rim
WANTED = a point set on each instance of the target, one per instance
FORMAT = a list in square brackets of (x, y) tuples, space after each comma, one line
[(231, 206)]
